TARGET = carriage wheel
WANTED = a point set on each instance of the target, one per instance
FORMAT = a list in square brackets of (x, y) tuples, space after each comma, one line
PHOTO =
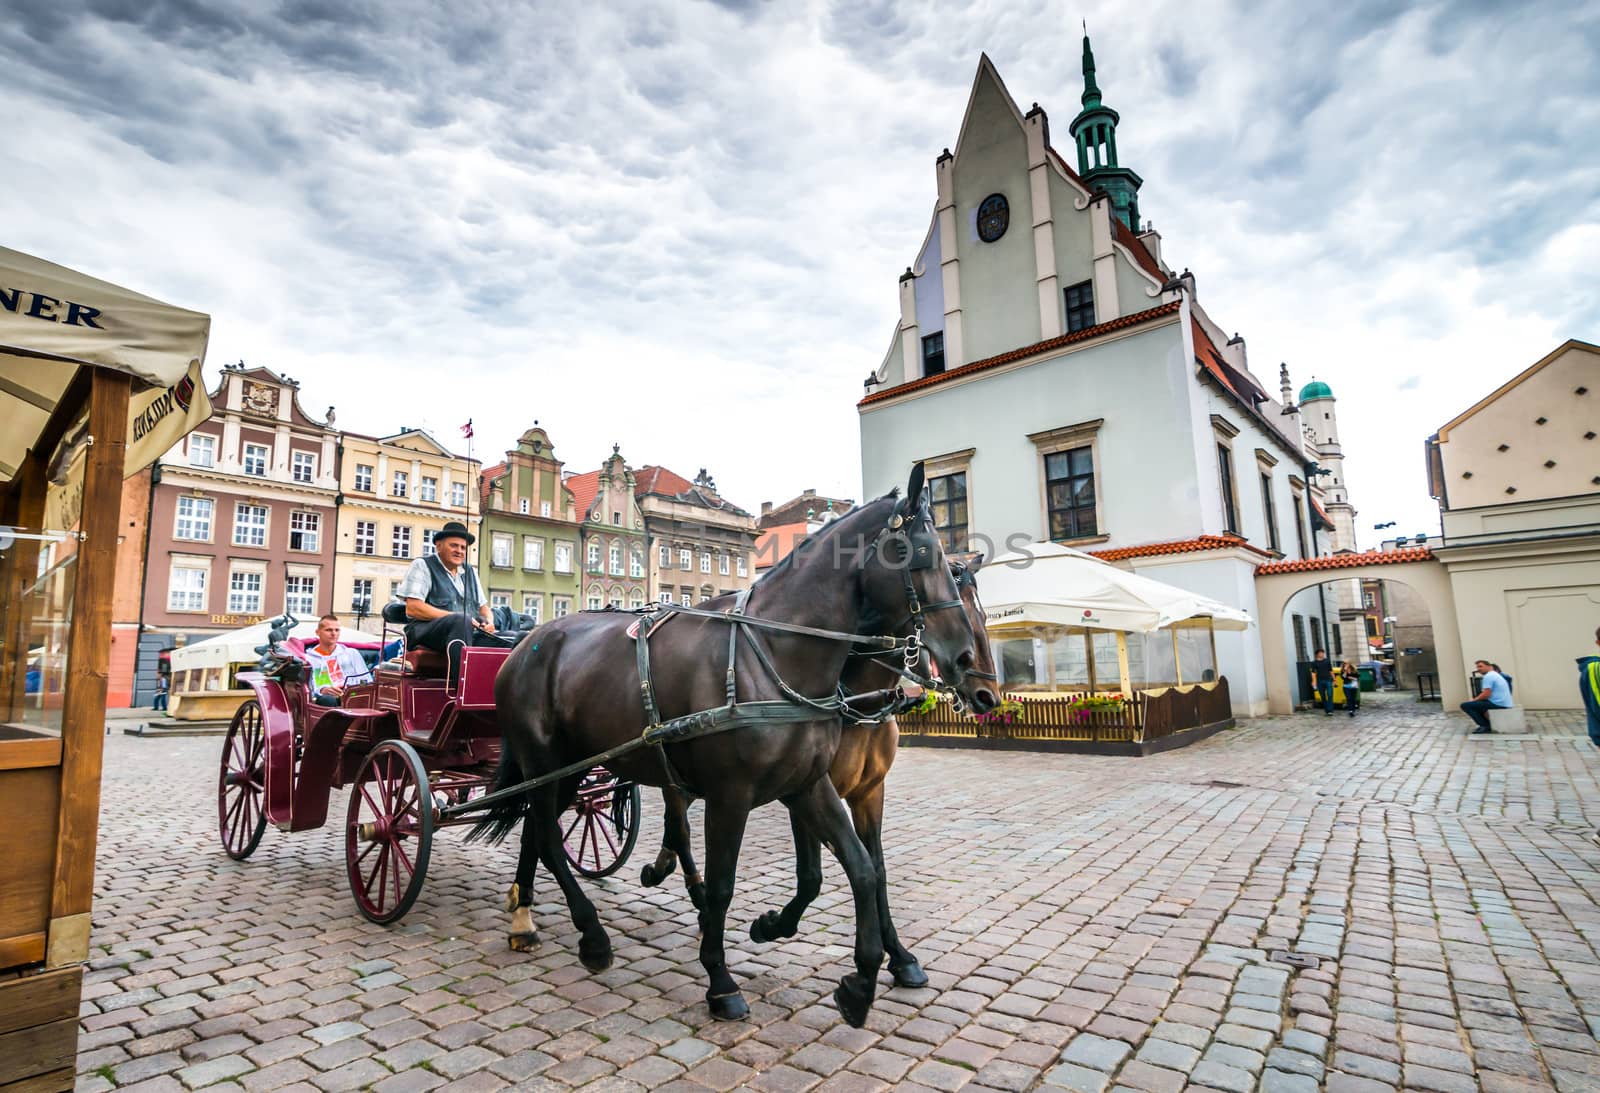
[(241, 786), (388, 831), (604, 824)]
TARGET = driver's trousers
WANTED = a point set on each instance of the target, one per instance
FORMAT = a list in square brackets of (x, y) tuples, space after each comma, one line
[(449, 634)]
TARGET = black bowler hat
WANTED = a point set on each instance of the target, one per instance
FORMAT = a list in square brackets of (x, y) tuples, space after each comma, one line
[(454, 529)]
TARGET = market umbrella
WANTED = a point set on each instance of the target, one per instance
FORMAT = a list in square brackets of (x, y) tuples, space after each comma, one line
[(239, 646)]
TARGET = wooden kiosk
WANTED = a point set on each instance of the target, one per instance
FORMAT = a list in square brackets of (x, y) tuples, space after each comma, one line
[(96, 382)]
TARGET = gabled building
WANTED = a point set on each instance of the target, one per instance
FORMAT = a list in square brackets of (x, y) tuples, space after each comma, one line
[(241, 519), (1517, 479), (395, 493), (530, 537), (612, 532), (809, 505), (1062, 382), (700, 543)]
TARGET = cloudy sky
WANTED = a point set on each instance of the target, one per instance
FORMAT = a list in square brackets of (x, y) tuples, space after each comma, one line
[(679, 226)]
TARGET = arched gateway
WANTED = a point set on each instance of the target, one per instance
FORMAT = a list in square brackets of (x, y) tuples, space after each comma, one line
[(1276, 582)]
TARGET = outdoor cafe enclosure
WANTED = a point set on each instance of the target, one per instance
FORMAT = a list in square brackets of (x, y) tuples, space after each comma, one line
[(95, 383)]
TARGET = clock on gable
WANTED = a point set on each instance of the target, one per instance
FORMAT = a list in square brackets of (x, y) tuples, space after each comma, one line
[(994, 216)]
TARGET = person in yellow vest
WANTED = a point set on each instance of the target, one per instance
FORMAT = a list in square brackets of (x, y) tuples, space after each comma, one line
[(1589, 687)]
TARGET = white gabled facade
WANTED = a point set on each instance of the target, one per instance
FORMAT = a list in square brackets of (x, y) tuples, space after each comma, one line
[(1066, 384)]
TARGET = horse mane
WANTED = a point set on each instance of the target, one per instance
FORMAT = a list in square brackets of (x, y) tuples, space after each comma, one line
[(825, 532)]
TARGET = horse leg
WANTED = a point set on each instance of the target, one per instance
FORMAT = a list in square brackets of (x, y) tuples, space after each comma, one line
[(594, 947), (676, 847), (724, 834), (807, 883), (524, 935), (821, 810), (867, 813)]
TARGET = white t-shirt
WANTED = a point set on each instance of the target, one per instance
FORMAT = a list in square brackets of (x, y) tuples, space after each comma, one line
[(341, 668)]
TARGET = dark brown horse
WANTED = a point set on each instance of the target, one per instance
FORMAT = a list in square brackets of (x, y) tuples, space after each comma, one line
[(572, 691), (866, 752)]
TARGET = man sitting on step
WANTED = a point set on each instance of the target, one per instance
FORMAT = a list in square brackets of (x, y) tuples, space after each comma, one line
[(1496, 695)]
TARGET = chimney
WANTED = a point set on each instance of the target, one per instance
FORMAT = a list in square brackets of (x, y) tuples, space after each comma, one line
[(766, 507), (808, 493), (1151, 240)]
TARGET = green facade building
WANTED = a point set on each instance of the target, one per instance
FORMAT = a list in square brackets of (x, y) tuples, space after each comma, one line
[(528, 548)]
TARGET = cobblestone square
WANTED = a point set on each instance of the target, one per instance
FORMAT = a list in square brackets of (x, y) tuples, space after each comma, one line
[(1087, 924)]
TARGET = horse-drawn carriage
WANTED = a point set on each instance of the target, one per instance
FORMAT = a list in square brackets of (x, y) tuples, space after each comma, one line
[(419, 737), (592, 705)]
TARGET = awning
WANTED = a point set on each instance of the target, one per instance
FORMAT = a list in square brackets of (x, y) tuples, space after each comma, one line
[(239, 646), (1049, 585), (54, 320)]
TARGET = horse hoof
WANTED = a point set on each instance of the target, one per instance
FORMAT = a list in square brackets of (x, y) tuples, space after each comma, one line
[(649, 877), (853, 1000), (513, 897), (597, 958), (524, 943), (728, 1007), (762, 929), (910, 975)]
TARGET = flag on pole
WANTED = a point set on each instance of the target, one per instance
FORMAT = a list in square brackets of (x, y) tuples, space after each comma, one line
[(466, 430)]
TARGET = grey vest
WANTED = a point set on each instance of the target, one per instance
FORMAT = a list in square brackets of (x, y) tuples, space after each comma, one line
[(442, 590)]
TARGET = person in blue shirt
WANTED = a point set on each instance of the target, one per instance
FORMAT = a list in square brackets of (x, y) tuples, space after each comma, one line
[(1496, 695), (1589, 687)]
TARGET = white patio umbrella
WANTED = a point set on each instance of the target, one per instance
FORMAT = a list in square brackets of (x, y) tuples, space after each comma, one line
[(239, 646), (1049, 585)]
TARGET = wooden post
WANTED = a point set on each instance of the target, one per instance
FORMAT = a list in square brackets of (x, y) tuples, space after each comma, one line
[(83, 712), (1088, 651), (25, 512), (1177, 665), (1122, 663)]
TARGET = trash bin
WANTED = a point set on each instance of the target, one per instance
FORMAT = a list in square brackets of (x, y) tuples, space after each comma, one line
[(1369, 678)]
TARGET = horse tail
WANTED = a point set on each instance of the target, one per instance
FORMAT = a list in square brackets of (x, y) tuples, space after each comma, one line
[(502, 816)]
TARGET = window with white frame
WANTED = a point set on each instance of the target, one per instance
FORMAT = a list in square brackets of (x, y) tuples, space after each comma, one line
[(665, 555), (244, 592), (616, 559), (363, 478), (249, 525), (532, 552), (202, 450), (722, 564), (563, 557), (194, 519), (562, 607), (361, 593), (635, 564), (594, 556), (685, 558), (594, 602), (429, 490), (522, 505), (186, 588), (740, 567), (458, 494), (401, 481), (366, 537), (705, 562), (706, 592), (636, 598), (305, 531), (544, 508), (500, 550), (665, 595), (687, 598), (300, 595), (616, 596), (394, 590), (303, 467), (533, 606), (500, 599), (400, 542), (255, 459), (428, 547)]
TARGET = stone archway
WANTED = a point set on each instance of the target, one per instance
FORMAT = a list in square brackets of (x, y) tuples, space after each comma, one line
[(1277, 582)]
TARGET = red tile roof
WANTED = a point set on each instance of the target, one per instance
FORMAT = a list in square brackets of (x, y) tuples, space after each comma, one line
[(1176, 546), (655, 479), (1026, 351), (1346, 561), (776, 543), (1128, 238), (1322, 514), (1205, 351), (584, 487)]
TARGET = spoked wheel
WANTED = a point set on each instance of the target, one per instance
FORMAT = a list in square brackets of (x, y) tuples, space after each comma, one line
[(603, 825), (388, 831), (241, 788)]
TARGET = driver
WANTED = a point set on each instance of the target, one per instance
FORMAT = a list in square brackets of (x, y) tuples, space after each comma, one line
[(444, 599), (335, 668)]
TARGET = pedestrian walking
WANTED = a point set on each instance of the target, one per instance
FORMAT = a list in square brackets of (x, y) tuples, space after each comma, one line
[(1352, 687), (1589, 687), (1322, 679)]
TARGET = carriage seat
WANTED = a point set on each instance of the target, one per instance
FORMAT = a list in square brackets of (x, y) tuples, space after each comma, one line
[(426, 662)]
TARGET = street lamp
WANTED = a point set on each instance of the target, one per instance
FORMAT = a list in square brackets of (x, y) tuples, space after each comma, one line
[(361, 605)]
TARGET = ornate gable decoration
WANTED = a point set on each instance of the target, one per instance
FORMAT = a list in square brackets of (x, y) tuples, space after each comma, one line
[(260, 398)]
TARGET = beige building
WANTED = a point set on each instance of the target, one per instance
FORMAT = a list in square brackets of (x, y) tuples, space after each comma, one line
[(701, 545), (1517, 479), (395, 493)]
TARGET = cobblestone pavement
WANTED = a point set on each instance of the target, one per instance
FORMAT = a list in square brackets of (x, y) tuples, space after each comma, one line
[(1087, 923)]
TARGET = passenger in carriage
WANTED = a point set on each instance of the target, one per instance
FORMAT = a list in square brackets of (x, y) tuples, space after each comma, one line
[(444, 598), (334, 668)]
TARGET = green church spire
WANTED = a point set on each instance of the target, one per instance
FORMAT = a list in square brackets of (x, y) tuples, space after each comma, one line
[(1095, 131)]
